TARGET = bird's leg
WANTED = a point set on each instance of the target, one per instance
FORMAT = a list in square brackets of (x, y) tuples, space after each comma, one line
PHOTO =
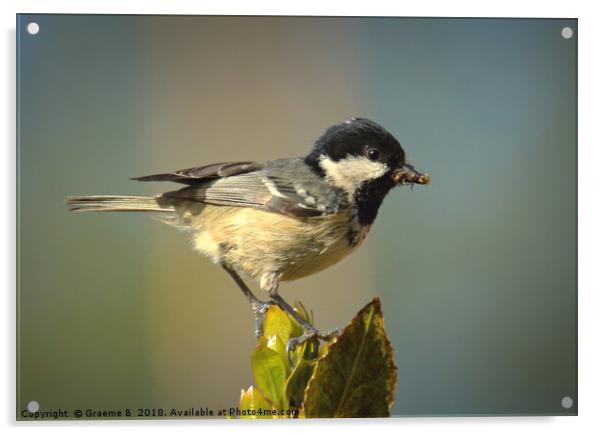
[(307, 327), (309, 330), (259, 307)]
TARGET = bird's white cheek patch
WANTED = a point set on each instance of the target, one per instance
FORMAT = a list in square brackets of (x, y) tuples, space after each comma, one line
[(349, 173)]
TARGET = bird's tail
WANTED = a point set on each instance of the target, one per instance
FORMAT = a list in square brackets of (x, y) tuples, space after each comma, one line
[(118, 203)]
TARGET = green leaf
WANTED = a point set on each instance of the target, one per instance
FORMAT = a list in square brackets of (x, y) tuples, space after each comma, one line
[(277, 322), (304, 368), (357, 377), (269, 370), (275, 343), (304, 312), (252, 400)]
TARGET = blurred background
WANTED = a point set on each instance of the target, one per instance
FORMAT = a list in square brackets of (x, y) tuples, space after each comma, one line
[(476, 272)]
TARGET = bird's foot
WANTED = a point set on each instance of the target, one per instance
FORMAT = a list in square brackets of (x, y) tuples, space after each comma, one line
[(259, 309), (308, 334)]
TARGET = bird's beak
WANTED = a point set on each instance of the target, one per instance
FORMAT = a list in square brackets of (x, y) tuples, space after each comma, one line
[(408, 175)]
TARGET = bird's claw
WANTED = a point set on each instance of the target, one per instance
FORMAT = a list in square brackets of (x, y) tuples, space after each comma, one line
[(330, 335), (293, 342), (308, 334)]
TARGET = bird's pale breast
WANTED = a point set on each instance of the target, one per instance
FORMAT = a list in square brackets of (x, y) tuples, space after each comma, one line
[(259, 243)]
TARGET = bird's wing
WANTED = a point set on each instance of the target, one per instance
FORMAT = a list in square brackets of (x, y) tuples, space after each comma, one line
[(204, 173), (269, 187)]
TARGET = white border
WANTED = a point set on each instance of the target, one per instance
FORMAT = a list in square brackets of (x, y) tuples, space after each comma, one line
[(509, 8), (590, 216)]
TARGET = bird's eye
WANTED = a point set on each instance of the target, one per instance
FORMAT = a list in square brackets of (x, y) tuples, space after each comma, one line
[(373, 154)]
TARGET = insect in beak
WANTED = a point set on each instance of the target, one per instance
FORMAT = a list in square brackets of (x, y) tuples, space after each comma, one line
[(408, 175)]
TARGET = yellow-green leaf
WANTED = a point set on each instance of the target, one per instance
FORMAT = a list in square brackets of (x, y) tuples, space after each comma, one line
[(304, 312), (253, 403), (277, 322), (269, 370), (275, 343), (357, 377)]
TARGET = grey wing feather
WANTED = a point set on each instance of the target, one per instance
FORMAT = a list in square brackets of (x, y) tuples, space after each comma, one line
[(269, 188), (203, 173)]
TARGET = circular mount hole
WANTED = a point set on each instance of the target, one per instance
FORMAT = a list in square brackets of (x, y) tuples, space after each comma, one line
[(566, 32), (33, 28), (566, 402), (33, 406)]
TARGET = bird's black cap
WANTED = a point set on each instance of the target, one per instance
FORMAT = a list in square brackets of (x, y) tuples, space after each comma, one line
[(353, 138)]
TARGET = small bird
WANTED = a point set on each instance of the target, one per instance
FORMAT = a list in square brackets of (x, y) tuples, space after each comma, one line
[(284, 219)]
